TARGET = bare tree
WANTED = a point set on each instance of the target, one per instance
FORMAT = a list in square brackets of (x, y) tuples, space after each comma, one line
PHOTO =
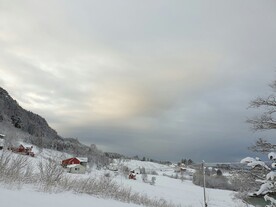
[(267, 119), (263, 146)]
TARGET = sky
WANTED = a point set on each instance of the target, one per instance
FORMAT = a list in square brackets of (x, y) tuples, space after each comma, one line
[(156, 78)]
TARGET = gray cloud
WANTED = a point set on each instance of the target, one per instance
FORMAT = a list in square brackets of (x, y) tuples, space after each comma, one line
[(166, 79)]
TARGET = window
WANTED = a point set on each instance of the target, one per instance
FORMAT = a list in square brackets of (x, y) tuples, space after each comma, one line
[(76, 169)]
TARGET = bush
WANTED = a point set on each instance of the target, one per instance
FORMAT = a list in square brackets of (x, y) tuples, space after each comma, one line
[(145, 178), (51, 178), (153, 179), (14, 169), (212, 181), (50, 173)]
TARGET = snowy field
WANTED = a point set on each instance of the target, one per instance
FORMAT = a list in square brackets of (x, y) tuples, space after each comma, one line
[(176, 191)]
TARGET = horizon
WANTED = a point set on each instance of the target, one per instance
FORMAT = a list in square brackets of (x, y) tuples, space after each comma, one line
[(166, 80)]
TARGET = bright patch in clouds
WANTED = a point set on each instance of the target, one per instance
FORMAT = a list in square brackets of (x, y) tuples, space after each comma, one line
[(117, 72)]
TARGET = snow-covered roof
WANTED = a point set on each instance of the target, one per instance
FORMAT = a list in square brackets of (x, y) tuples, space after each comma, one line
[(258, 163), (82, 159), (252, 162), (248, 160), (272, 156), (73, 165)]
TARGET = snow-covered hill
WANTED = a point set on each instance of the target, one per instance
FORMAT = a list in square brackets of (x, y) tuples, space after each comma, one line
[(136, 164), (27, 197), (172, 190)]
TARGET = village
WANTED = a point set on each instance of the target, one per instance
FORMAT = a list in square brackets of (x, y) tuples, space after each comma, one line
[(79, 165)]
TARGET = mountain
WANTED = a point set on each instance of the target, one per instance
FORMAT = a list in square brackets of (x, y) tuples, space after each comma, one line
[(12, 112), (20, 124)]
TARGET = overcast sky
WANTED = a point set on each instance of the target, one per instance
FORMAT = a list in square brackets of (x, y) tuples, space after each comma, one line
[(161, 79)]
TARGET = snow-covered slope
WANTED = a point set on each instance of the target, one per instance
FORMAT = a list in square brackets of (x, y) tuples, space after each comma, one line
[(173, 190), (184, 193), (149, 166), (29, 197)]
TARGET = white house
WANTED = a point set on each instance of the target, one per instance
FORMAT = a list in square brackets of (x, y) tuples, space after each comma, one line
[(76, 168), (75, 165)]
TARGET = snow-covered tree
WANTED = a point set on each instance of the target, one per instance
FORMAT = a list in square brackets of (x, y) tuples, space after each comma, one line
[(268, 182), (265, 121)]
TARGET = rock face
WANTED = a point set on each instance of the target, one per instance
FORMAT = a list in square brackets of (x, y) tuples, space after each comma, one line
[(11, 111)]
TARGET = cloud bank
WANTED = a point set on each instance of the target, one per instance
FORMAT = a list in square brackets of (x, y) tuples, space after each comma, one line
[(166, 80)]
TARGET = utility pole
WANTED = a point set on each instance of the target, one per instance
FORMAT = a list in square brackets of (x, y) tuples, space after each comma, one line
[(204, 184)]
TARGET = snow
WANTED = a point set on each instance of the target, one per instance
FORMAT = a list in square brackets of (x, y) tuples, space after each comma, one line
[(185, 193), (251, 162), (272, 156), (272, 200), (258, 163), (173, 190), (29, 197), (247, 160), (136, 164), (271, 175), (82, 159), (73, 165), (2, 142), (265, 188)]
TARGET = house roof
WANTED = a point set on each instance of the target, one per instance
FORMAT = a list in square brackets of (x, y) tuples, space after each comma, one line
[(82, 159), (74, 165)]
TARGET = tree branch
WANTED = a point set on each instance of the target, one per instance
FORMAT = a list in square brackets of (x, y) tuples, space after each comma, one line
[(262, 146)]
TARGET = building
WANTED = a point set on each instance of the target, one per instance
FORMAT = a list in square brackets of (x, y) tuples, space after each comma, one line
[(75, 164), (76, 168), (23, 150)]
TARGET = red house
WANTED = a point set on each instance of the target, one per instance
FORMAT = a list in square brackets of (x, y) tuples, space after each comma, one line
[(70, 161), (74, 160), (22, 150)]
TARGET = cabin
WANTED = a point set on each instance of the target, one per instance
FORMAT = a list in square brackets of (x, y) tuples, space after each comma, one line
[(23, 150), (180, 168), (75, 165)]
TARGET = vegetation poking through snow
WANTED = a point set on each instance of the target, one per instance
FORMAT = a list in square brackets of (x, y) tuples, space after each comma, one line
[(16, 170)]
